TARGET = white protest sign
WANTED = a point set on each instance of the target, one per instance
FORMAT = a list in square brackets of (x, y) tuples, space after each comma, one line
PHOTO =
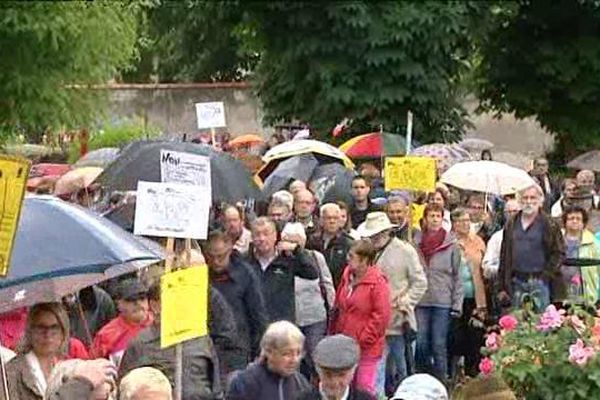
[(191, 169), (210, 115), (171, 210)]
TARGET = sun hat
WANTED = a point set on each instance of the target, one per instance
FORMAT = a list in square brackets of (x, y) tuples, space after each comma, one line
[(375, 223)]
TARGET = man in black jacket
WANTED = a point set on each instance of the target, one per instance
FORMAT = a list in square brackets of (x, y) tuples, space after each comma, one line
[(277, 264), (331, 241), (336, 358), (233, 277)]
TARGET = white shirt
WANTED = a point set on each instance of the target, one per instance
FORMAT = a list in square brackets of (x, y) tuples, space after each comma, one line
[(491, 259), (344, 397)]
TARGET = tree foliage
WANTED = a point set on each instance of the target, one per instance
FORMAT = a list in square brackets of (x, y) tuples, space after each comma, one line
[(369, 61), (192, 40), (47, 47), (542, 58)]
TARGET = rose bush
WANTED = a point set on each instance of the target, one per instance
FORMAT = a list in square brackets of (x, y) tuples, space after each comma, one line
[(548, 356)]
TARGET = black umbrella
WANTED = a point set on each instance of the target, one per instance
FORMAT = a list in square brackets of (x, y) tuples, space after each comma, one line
[(98, 158), (231, 181), (298, 167), (332, 182)]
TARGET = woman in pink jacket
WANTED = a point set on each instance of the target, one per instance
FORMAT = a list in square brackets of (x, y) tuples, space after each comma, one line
[(362, 310)]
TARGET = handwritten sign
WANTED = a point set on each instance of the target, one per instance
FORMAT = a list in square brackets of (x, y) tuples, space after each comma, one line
[(13, 181), (210, 115), (191, 169), (171, 210), (184, 305), (410, 173)]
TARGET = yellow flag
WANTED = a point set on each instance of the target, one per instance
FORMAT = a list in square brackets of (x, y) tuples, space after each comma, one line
[(410, 173), (184, 305), (13, 181)]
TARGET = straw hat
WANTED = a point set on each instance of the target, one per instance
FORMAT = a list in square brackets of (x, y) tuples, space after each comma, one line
[(375, 223)]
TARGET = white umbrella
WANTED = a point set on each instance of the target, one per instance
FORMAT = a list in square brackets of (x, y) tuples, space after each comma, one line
[(488, 177), (303, 146)]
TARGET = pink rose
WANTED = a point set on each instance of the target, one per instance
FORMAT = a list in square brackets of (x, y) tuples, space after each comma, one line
[(579, 353), (576, 280), (508, 323), (487, 366), (551, 319), (492, 342)]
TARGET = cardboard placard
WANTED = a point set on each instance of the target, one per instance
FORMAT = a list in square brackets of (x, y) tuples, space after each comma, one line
[(210, 115), (410, 173)]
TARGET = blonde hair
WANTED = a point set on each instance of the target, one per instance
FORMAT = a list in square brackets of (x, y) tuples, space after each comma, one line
[(145, 378), (56, 309)]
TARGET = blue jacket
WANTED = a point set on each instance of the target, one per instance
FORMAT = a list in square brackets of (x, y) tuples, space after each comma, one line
[(258, 382)]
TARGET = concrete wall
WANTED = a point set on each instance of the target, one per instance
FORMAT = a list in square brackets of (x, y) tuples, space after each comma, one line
[(171, 108)]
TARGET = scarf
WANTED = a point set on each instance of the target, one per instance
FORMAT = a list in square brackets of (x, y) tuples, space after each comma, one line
[(431, 242)]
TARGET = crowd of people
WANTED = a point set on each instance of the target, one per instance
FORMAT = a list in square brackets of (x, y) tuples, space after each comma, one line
[(390, 296)]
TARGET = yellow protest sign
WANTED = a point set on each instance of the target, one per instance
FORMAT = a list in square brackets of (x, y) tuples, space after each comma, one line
[(410, 173), (416, 215), (13, 181), (184, 305)]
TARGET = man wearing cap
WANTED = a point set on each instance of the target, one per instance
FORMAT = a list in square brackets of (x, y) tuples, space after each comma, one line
[(401, 265), (134, 315), (336, 358)]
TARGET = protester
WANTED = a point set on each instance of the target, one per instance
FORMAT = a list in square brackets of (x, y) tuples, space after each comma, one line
[(569, 188), (421, 387), (280, 213), (361, 204), (581, 282), (444, 296), (285, 197), (65, 370), (304, 207), (277, 263), (487, 388), (84, 381), (468, 330), (491, 259), (296, 186), (542, 178), (362, 310), (439, 198), (398, 211), (200, 366), (482, 223), (336, 358), (314, 298), (331, 241), (89, 310), (275, 375), (233, 222), (586, 180), (45, 342), (530, 255), (373, 175), (486, 155), (233, 277), (145, 383), (402, 267), (112, 339), (346, 220)]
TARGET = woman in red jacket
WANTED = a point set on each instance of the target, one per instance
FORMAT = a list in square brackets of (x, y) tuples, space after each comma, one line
[(362, 310)]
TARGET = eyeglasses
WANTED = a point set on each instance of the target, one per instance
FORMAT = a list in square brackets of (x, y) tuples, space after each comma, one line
[(53, 329)]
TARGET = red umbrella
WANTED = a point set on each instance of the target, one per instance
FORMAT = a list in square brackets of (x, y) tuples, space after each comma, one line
[(374, 145)]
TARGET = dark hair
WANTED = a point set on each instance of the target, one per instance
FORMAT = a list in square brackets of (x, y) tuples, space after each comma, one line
[(429, 208), (441, 192), (361, 177), (486, 153), (154, 291), (216, 235), (364, 249), (477, 197), (575, 210)]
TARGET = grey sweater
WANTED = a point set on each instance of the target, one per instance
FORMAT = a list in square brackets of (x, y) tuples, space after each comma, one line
[(444, 284)]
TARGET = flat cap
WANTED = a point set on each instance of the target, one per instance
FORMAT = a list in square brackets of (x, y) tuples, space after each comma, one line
[(337, 352), (132, 289)]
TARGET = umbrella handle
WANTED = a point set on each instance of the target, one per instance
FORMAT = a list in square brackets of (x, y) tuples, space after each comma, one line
[(86, 327)]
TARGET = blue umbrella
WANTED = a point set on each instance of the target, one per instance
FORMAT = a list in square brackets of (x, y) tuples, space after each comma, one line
[(61, 248)]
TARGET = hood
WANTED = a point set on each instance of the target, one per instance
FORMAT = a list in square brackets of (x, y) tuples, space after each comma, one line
[(373, 275)]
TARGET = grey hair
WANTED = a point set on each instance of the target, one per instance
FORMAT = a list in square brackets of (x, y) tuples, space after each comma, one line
[(285, 197), (459, 212), (60, 373), (329, 207), (277, 202), (537, 188), (278, 335), (264, 221), (144, 378)]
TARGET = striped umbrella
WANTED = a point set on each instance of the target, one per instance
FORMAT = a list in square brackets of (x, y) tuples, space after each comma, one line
[(374, 145), (446, 155)]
